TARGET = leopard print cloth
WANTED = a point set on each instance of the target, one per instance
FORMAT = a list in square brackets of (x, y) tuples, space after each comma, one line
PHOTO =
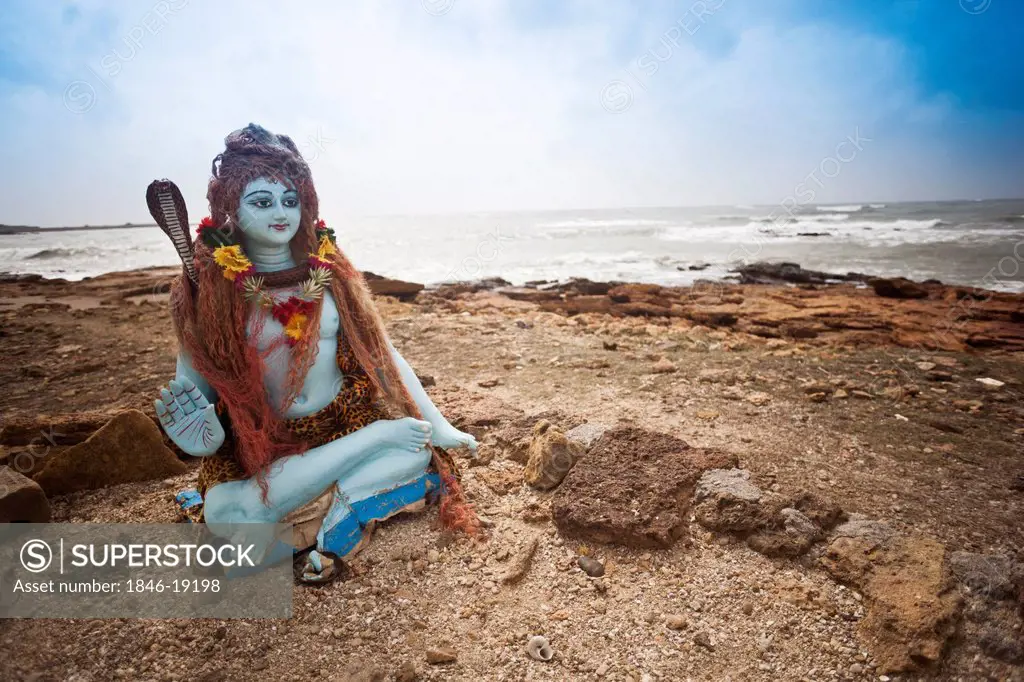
[(352, 409)]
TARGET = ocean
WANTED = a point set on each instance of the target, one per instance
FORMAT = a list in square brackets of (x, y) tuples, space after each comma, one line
[(978, 243)]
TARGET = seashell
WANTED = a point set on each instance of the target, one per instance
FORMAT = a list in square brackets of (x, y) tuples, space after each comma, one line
[(539, 649)]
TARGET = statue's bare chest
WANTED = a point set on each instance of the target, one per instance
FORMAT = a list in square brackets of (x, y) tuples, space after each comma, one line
[(273, 330)]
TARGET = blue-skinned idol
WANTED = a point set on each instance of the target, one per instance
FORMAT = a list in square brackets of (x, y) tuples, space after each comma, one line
[(286, 384)]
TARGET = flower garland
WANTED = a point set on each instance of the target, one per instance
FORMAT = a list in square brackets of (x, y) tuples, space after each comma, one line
[(293, 313)]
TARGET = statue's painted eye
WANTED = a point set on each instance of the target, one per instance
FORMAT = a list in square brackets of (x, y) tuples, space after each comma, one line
[(291, 203), (262, 203)]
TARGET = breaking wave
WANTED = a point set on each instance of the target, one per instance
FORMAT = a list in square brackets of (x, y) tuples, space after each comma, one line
[(844, 208), (47, 254)]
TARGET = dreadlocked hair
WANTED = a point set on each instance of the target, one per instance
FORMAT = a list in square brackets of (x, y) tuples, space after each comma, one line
[(213, 324)]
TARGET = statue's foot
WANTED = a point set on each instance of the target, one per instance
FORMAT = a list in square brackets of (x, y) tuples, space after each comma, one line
[(318, 568)]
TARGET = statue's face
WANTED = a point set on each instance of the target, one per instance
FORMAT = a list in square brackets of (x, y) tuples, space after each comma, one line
[(269, 212)]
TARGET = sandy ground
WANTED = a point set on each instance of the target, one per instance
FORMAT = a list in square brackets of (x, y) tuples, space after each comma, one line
[(936, 456)]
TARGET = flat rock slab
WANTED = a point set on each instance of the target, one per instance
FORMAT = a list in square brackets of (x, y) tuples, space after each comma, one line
[(129, 448), (633, 488)]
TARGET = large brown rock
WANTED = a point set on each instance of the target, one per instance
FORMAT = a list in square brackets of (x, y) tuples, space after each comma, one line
[(912, 606), (633, 488), (39, 433), (130, 447), (21, 499)]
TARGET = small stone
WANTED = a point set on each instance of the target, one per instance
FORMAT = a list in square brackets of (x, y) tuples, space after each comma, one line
[(406, 672), (990, 383), (925, 366), (747, 608), (489, 383), (863, 395), (703, 639), (856, 669), (676, 622), (441, 655), (433, 556), (602, 670), (840, 393), (817, 397), (758, 398), (663, 366), (590, 566), (707, 415)]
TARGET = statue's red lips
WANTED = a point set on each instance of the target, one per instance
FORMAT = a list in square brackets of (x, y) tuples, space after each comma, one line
[(280, 227)]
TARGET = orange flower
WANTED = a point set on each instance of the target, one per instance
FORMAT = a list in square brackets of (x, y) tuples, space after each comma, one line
[(325, 249), (295, 327), (232, 260)]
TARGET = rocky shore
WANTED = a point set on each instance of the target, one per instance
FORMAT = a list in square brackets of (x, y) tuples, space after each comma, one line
[(795, 476)]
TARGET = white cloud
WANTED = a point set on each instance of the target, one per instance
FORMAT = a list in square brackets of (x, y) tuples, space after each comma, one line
[(464, 111)]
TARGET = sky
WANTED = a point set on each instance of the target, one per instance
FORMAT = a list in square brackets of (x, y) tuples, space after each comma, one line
[(436, 106)]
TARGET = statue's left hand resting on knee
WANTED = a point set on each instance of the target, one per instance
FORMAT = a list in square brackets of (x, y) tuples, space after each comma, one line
[(284, 361)]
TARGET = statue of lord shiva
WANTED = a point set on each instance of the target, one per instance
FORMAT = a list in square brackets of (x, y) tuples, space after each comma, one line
[(287, 384)]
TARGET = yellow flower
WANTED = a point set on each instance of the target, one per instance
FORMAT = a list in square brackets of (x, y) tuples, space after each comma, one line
[(326, 248), (296, 325), (232, 260)]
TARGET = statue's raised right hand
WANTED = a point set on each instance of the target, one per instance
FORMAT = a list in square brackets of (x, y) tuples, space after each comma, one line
[(189, 419)]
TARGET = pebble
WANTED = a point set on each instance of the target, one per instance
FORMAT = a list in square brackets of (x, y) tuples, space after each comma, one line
[(663, 366), (758, 398), (676, 622), (704, 639), (406, 672), (592, 567), (856, 669), (439, 656), (602, 670)]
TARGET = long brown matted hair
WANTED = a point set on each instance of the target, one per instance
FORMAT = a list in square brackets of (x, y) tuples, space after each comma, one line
[(212, 322)]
